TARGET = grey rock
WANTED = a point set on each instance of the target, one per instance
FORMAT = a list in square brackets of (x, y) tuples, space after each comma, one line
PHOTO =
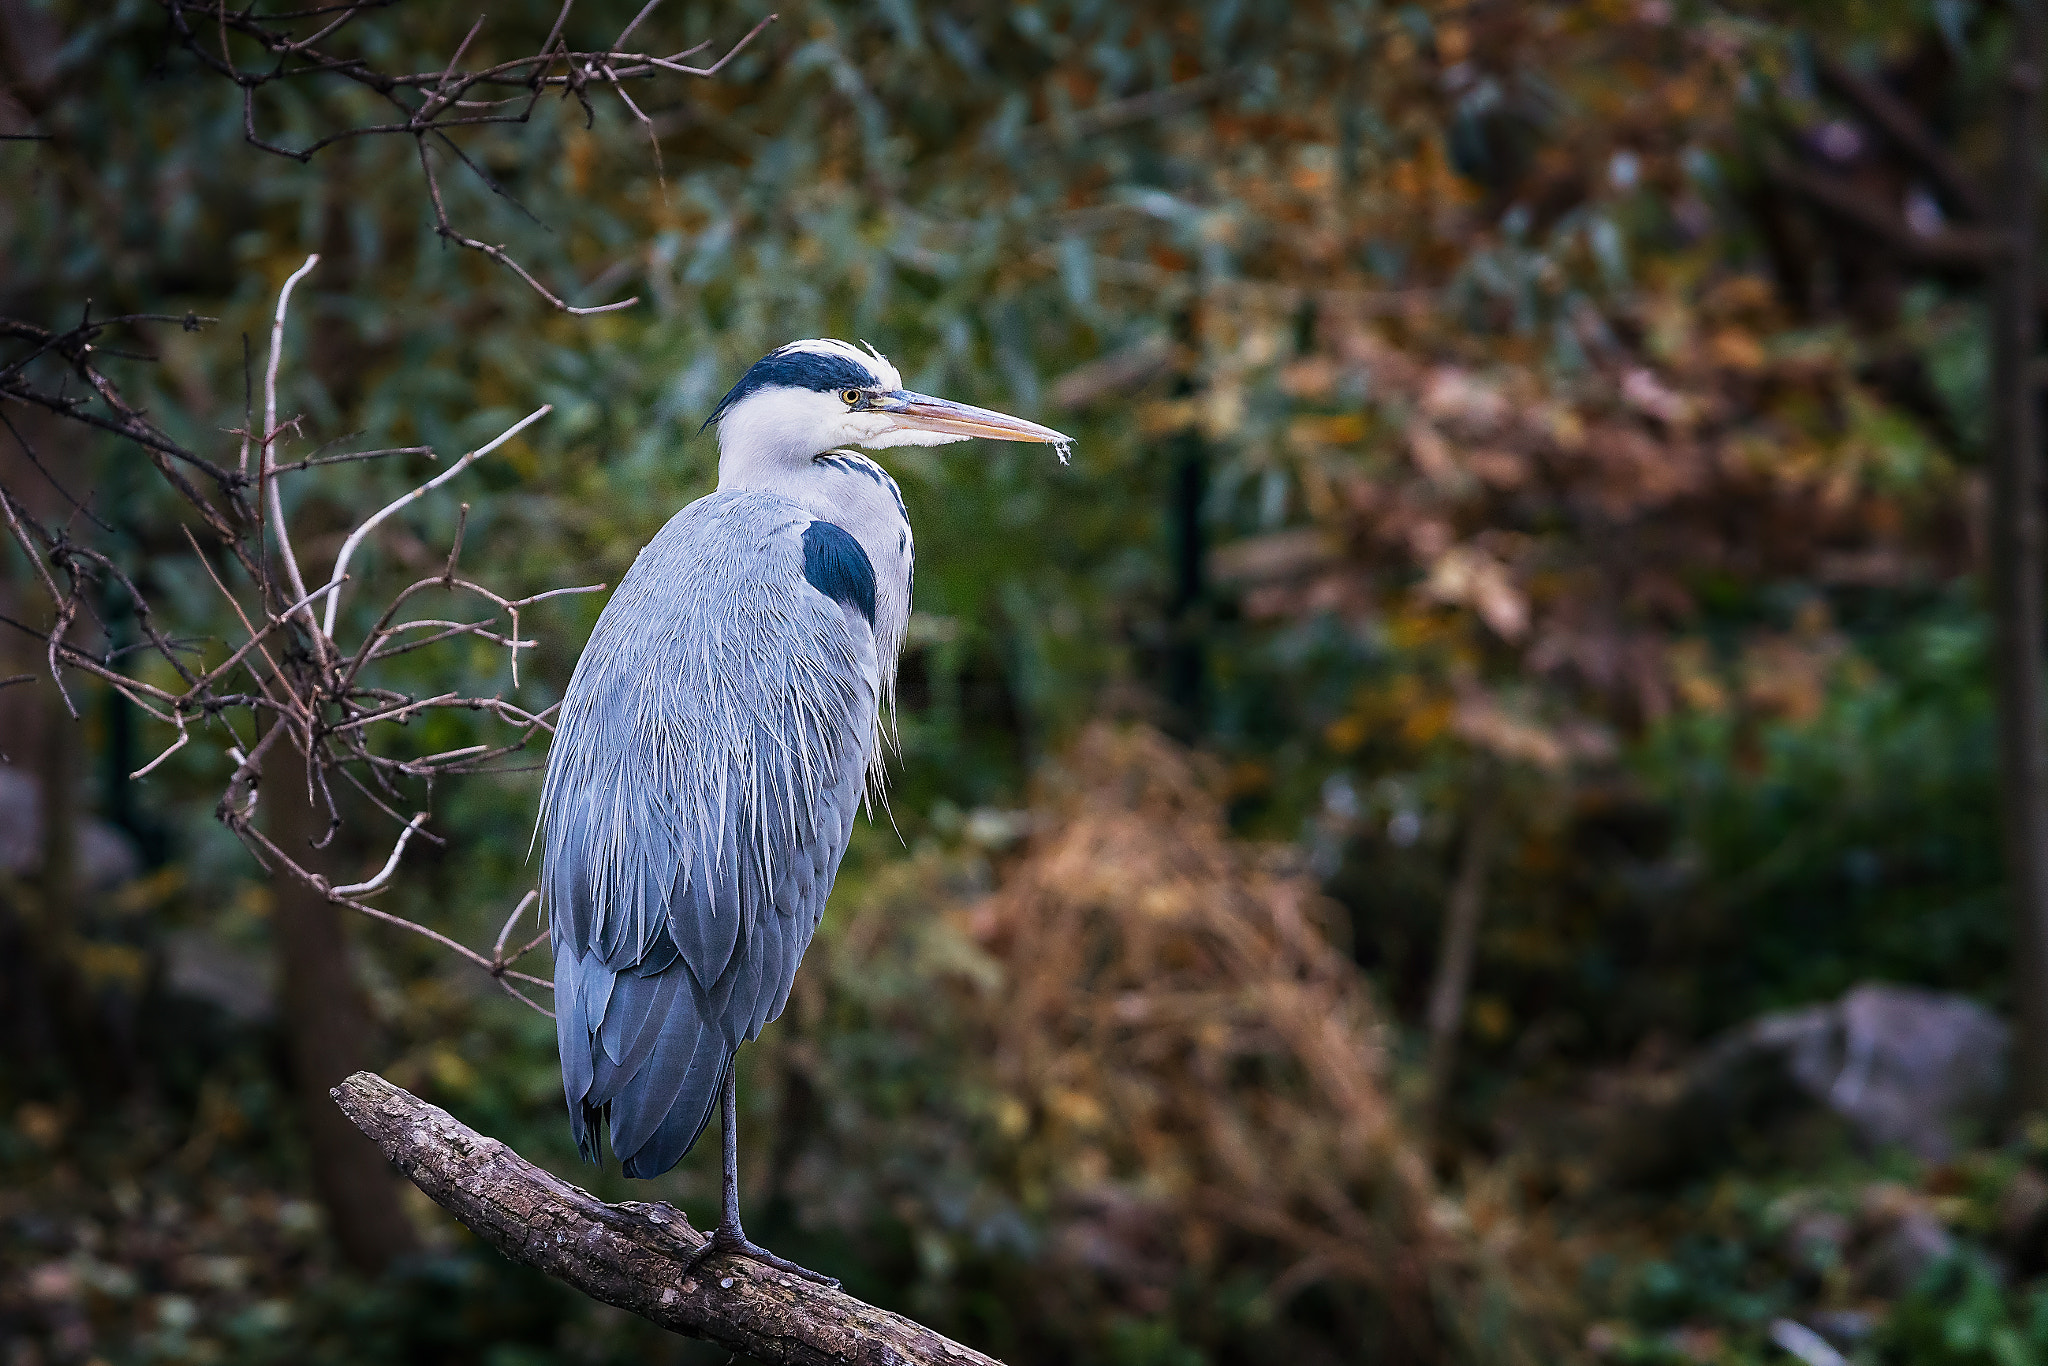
[(1906, 1068), (1903, 1067), (1897, 1067)]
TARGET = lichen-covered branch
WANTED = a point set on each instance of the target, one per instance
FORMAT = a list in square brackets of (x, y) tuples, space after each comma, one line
[(631, 1255)]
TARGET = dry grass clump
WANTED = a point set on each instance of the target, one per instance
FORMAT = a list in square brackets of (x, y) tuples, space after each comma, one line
[(1184, 1038), (1140, 1062)]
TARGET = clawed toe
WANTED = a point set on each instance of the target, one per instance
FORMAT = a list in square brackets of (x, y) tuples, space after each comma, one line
[(736, 1244), (762, 1254), (728, 1237)]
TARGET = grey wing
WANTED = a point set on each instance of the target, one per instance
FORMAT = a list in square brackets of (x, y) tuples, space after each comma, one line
[(701, 789)]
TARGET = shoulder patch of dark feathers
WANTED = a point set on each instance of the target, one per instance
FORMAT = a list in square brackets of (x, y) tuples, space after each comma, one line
[(836, 566)]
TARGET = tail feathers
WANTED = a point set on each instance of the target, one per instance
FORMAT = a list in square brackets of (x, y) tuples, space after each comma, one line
[(685, 1122), (646, 1150), (586, 1122), (646, 1061), (658, 1107), (675, 1129), (572, 1033)]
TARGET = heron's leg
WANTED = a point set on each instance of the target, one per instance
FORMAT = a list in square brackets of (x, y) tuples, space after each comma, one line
[(729, 1150), (729, 1237)]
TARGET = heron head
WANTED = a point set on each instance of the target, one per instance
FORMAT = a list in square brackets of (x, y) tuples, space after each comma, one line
[(810, 397)]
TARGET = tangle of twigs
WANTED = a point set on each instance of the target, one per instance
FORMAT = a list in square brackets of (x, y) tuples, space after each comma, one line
[(293, 678), (427, 105)]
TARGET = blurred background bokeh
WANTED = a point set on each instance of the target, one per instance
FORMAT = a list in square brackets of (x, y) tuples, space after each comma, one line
[(1463, 827)]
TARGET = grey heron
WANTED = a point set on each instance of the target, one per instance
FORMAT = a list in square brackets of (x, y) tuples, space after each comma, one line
[(720, 730)]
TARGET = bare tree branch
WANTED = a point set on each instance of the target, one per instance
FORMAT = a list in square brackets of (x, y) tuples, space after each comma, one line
[(383, 877), (431, 102), (632, 1255), (348, 547), (288, 674), (1965, 249), (273, 503), (1909, 133)]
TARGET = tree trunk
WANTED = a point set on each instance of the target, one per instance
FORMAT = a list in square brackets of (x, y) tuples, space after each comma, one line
[(1462, 913), (328, 1031), (2016, 564)]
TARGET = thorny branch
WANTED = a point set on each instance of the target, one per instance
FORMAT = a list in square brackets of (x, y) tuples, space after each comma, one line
[(292, 678)]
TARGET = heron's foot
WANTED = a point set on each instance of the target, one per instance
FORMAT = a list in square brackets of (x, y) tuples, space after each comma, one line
[(731, 1240)]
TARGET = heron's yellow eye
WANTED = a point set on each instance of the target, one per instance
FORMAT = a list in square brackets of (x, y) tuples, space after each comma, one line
[(852, 397)]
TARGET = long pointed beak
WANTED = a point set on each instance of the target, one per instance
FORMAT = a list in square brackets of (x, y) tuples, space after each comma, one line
[(922, 412)]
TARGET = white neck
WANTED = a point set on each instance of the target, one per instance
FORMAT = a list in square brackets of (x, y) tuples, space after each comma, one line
[(857, 495), (774, 433)]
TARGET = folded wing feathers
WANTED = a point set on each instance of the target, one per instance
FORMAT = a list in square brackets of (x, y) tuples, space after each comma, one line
[(720, 719)]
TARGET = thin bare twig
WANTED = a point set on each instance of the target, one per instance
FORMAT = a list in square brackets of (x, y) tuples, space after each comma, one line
[(390, 868), (275, 504), (183, 736), (284, 678), (351, 457), (432, 102), (60, 600), (348, 547), (498, 949)]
